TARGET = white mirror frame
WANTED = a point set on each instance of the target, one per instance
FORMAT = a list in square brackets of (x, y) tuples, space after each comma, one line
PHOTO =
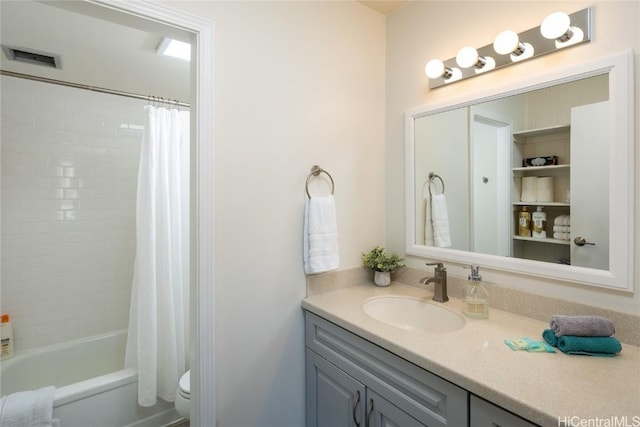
[(203, 408), (621, 184)]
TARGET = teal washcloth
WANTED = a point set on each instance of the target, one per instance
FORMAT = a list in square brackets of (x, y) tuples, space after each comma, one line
[(550, 337), (592, 346)]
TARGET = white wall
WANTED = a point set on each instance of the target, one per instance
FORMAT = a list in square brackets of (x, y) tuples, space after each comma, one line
[(69, 176), (296, 84), (437, 29)]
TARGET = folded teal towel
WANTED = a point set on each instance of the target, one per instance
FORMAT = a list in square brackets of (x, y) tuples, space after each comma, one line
[(550, 337), (592, 346), (581, 326)]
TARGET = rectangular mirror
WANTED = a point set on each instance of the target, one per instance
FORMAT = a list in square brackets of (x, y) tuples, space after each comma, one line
[(557, 146)]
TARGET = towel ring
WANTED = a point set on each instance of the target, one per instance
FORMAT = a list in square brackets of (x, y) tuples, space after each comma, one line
[(433, 176), (315, 171)]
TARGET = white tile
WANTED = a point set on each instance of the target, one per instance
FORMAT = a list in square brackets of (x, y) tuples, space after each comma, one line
[(69, 181)]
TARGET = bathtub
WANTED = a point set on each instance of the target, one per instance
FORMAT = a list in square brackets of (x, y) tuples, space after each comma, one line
[(92, 388)]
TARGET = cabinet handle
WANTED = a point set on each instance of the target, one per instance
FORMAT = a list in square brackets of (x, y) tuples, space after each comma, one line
[(367, 418), (355, 407)]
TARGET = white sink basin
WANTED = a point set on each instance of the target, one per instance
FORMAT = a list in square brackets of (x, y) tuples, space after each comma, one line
[(413, 314)]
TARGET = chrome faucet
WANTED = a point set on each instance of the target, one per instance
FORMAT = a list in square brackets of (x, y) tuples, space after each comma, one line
[(440, 282)]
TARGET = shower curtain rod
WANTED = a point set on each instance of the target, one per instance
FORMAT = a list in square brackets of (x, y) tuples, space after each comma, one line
[(94, 88)]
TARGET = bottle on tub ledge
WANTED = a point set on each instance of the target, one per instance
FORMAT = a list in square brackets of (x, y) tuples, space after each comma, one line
[(6, 337), (476, 297)]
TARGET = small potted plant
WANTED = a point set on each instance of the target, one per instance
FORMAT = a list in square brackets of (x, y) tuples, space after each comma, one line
[(382, 263)]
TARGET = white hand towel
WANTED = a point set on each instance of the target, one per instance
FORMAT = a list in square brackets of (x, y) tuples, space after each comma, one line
[(28, 408), (440, 220), (428, 223), (320, 245)]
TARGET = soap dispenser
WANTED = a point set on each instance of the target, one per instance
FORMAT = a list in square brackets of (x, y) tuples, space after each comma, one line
[(475, 297)]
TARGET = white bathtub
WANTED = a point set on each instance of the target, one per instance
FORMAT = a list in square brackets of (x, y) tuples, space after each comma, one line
[(92, 388)]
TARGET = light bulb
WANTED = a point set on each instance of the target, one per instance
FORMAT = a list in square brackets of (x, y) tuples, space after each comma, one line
[(435, 68), (556, 26), (467, 57), (506, 42)]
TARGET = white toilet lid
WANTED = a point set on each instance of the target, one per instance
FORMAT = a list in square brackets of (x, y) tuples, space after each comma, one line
[(185, 382)]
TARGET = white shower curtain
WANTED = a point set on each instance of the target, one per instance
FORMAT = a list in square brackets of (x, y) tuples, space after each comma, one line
[(158, 322)]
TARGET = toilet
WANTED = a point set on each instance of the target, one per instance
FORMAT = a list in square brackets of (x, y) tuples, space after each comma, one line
[(183, 395)]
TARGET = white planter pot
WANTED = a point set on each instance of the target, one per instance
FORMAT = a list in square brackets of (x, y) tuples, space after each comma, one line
[(382, 278)]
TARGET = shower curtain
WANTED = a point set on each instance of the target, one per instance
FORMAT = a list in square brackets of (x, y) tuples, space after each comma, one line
[(158, 319)]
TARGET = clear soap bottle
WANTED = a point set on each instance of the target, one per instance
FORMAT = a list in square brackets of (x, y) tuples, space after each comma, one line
[(476, 297)]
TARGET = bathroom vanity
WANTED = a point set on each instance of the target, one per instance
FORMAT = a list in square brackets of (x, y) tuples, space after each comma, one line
[(364, 372), (350, 380)]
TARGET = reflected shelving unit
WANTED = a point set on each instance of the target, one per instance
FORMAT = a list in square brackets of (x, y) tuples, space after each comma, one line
[(542, 142)]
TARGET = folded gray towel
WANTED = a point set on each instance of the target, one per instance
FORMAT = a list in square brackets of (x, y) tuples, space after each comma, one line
[(581, 326)]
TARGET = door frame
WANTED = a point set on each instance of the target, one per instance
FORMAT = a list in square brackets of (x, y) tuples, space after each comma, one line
[(202, 328)]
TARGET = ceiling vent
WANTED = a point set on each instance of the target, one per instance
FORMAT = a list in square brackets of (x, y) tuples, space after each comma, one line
[(31, 56)]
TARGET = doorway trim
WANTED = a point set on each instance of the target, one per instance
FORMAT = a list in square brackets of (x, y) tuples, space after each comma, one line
[(502, 126), (202, 327)]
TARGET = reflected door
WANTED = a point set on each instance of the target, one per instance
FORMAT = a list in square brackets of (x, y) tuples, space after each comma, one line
[(590, 185), (490, 148)]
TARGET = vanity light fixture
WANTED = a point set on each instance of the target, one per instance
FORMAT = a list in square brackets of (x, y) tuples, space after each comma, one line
[(436, 69), (468, 57), (558, 30), (557, 26), (508, 43)]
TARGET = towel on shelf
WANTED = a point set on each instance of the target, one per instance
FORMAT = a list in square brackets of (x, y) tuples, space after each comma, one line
[(440, 220), (28, 409), (562, 220), (562, 228), (582, 326), (320, 235)]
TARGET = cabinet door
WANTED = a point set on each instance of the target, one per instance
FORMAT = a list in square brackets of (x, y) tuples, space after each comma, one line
[(485, 414), (590, 184), (334, 398), (382, 413)]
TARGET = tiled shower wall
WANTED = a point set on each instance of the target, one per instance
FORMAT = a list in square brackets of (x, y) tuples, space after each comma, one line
[(69, 176)]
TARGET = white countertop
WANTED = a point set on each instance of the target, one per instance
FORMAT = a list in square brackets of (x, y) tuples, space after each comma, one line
[(541, 387)]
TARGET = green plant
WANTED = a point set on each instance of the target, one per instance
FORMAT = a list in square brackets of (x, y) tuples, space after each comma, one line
[(377, 259)]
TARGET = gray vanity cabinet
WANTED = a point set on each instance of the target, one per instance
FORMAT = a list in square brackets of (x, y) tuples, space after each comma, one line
[(353, 382), (334, 398), (486, 414)]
